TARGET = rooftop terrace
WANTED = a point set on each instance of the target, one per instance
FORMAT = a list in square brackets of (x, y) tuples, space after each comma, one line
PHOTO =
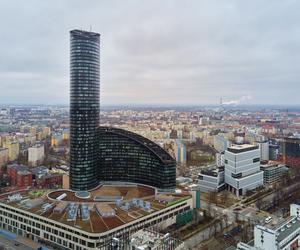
[(132, 202)]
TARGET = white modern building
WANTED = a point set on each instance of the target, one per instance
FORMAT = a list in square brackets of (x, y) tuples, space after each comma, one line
[(36, 154), (54, 219), (284, 236), (242, 168), (264, 150), (211, 179)]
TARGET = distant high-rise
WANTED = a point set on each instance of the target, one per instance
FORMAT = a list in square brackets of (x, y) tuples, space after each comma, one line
[(84, 108)]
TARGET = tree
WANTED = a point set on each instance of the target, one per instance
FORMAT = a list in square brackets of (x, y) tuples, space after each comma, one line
[(259, 204), (224, 197)]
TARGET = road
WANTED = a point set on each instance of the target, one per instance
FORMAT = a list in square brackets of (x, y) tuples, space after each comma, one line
[(248, 213), (9, 244)]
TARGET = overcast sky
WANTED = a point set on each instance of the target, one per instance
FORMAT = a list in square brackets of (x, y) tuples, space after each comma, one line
[(155, 52)]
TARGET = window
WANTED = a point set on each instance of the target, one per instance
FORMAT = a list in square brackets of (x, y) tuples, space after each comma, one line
[(239, 175), (256, 160)]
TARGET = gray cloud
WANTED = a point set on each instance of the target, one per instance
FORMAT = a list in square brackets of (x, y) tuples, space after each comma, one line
[(175, 52)]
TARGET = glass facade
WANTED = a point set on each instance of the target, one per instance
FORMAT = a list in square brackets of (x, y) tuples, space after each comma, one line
[(84, 108), (129, 157)]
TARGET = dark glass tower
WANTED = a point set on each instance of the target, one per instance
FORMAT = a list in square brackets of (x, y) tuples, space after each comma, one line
[(84, 108)]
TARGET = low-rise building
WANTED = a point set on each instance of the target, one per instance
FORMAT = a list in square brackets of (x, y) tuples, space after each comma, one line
[(273, 171), (285, 235), (149, 239), (24, 179), (12, 172), (64, 220), (211, 179)]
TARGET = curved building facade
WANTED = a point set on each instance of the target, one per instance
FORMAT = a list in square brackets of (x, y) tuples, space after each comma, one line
[(129, 157), (84, 108)]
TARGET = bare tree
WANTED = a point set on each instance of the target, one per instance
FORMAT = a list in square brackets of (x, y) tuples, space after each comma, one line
[(224, 198), (259, 204)]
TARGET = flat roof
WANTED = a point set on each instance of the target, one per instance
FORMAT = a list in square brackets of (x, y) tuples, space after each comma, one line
[(240, 148), (271, 164), (96, 223), (288, 230)]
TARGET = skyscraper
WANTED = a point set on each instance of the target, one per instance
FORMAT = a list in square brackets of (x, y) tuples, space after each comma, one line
[(84, 108)]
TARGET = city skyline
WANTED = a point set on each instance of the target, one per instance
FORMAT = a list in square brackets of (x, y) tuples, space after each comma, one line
[(246, 53)]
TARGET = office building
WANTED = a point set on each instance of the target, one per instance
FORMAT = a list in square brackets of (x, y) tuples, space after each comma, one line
[(65, 221), (291, 152), (264, 150), (36, 154), (285, 235), (126, 156), (84, 108), (211, 179), (273, 171), (242, 168)]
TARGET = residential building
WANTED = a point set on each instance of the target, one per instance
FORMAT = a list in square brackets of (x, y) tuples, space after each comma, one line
[(13, 150), (56, 139), (46, 131), (24, 179), (220, 143), (36, 154), (3, 156), (19, 175), (180, 152)]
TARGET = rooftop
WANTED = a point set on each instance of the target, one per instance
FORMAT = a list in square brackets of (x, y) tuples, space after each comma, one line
[(271, 164), (240, 148), (64, 207), (212, 171), (83, 33), (286, 228)]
